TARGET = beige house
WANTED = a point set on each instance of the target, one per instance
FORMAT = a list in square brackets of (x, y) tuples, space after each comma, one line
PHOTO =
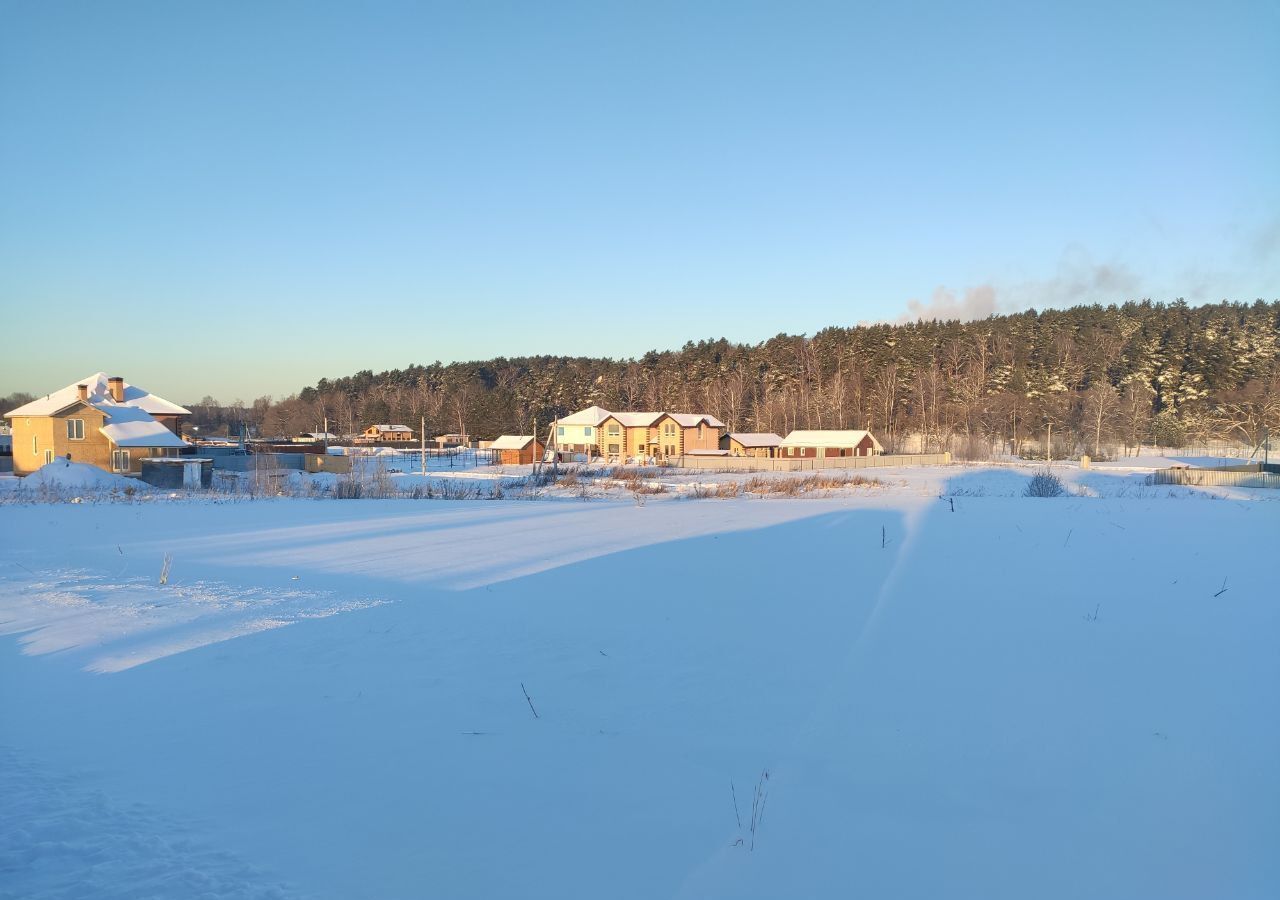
[(102, 421), (758, 444), (637, 435), (697, 434), (659, 435), (628, 434), (823, 444)]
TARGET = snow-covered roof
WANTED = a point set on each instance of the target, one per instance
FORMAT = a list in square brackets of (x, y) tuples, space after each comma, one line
[(319, 435), (382, 428), (706, 453), (847, 439), (511, 442), (98, 390), (756, 438), (637, 419), (128, 426), (689, 420), (592, 415)]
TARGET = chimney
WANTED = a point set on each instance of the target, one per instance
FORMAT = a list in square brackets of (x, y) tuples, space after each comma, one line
[(84, 392), (115, 384)]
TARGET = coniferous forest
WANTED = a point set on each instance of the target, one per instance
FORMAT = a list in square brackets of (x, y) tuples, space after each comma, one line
[(1107, 378)]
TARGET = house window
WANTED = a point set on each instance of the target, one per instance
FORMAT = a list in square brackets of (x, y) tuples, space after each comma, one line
[(35, 446), (560, 431), (119, 460), (48, 457), (613, 431), (587, 431), (613, 448), (75, 429)]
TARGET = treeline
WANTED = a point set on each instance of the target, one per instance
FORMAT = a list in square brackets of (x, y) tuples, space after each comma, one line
[(1100, 375)]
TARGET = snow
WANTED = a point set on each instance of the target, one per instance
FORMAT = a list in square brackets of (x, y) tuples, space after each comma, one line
[(592, 415), (637, 419), (73, 475), (511, 442), (132, 427), (689, 420), (756, 438), (99, 391), (1048, 698)]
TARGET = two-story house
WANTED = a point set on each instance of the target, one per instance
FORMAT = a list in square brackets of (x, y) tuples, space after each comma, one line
[(100, 420)]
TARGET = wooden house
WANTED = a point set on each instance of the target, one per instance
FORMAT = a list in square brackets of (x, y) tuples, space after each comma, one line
[(518, 449), (387, 434)]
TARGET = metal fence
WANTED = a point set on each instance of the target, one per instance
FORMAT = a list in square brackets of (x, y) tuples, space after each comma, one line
[(403, 459), (785, 464), (1221, 449), (1214, 478)]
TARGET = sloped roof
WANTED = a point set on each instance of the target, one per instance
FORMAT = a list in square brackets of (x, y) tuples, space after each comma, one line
[(637, 419), (592, 415), (689, 420), (848, 439), (756, 438), (128, 426), (98, 391), (393, 427), (511, 442)]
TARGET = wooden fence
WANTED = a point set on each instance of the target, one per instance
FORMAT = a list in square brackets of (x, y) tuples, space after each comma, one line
[(785, 464), (1214, 478)]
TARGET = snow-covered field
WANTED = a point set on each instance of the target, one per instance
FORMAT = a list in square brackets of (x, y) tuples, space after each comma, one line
[(984, 695)]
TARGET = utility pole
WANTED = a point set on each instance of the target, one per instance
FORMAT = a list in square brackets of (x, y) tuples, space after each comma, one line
[(422, 434), (1048, 450)]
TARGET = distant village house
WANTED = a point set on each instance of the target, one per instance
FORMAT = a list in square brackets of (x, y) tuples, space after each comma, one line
[(389, 434)]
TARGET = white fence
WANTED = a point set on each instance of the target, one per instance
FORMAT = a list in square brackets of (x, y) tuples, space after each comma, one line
[(1214, 478), (786, 464)]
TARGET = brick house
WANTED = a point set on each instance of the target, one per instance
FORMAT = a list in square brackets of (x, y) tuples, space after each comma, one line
[(102, 421)]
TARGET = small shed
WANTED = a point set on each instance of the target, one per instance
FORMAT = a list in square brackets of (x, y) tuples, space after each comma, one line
[(751, 443), (192, 473), (518, 449)]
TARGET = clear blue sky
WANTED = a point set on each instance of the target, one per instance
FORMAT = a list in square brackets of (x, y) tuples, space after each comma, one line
[(238, 198)]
